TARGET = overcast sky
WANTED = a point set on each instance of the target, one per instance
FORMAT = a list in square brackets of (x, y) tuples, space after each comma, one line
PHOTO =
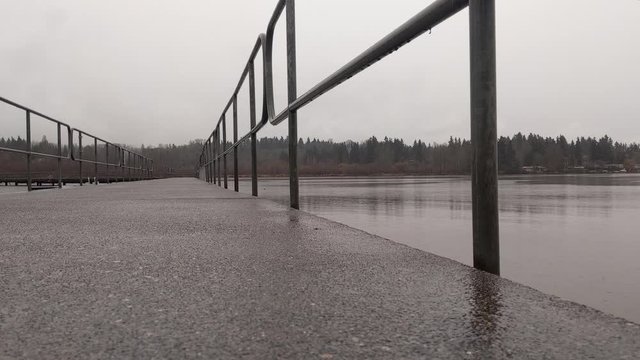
[(161, 71)]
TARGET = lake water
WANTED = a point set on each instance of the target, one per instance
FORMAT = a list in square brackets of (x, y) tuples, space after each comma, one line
[(574, 236), (12, 189)]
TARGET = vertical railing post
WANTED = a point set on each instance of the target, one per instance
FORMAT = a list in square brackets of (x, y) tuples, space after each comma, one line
[(129, 166), (118, 162), (122, 163), (213, 158), (210, 160), (484, 175), (254, 151), (80, 155), (95, 154), (236, 184), (118, 172), (211, 152), (210, 155), (219, 147), (29, 148), (206, 161), (292, 95), (214, 148), (224, 149), (59, 156), (106, 150), (213, 161)]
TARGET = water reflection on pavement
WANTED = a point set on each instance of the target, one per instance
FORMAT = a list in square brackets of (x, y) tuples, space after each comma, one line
[(575, 236)]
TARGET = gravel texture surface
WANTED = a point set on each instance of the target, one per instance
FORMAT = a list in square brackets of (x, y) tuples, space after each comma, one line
[(179, 268)]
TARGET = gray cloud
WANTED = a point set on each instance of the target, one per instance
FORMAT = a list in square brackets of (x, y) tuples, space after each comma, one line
[(150, 71)]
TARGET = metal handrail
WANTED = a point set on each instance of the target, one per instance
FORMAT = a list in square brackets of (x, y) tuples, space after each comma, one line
[(58, 123), (424, 21), (14, 104), (483, 108), (144, 168), (249, 68), (29, 152)]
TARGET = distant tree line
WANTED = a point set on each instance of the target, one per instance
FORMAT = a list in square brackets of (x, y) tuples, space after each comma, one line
[(516, 154), (172, 159), (559, 155)]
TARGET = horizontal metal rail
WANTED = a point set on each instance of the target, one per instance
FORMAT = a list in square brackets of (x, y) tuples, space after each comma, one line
[(136, 166), (217, 147), (14, 104), (424, 21), (28, 112), (106, 144), (124, 159)]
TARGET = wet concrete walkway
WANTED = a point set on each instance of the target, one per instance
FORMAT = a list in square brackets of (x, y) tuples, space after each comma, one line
[(178, 268)]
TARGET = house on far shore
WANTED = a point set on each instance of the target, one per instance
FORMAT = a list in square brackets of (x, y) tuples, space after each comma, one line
[(614, 167), (534, 169)]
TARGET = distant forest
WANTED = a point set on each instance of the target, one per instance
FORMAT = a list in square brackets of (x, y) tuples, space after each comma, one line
[(517, 154)]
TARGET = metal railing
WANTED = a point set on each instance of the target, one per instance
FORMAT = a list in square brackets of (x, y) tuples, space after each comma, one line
[(213, 159), (139, 167), (131, 165)]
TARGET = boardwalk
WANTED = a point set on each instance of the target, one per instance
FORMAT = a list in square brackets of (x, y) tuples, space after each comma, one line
[(178, 268)]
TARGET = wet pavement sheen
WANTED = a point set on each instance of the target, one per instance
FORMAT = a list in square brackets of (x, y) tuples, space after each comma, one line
[(180, 269)]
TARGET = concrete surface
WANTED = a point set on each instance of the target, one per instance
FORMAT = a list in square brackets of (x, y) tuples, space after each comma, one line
[(181, 269)]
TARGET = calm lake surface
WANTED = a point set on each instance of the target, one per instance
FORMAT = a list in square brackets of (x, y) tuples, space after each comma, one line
[(574, 236), (12, 189)]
